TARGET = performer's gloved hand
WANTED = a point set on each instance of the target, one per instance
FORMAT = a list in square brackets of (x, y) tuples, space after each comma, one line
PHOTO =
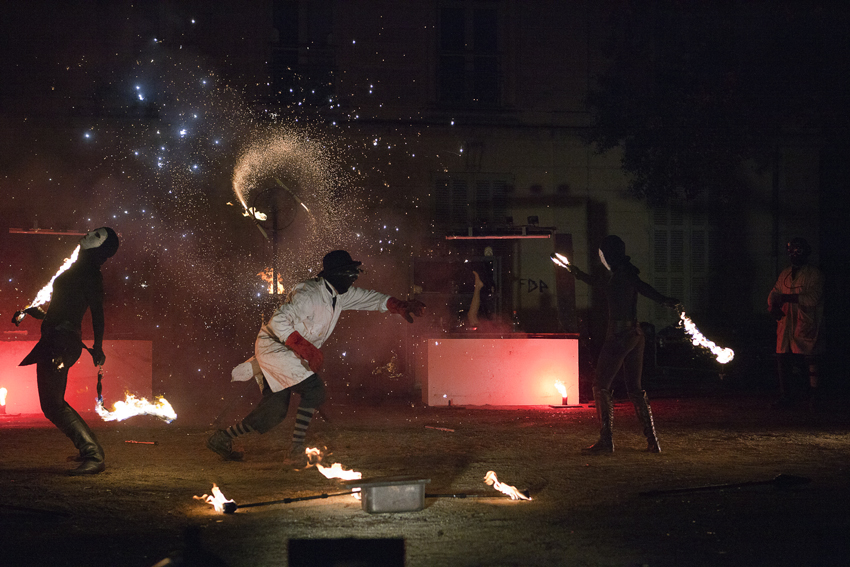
[(33, 312), (305, 350), (406, 308), (776, 312), (97, 355)]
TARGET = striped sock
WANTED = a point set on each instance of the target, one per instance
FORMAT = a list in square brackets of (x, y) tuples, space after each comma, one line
[(239, 429), (302, 422)]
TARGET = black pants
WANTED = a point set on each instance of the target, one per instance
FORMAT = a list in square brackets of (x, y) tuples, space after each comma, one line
[(55, 355), (621, 348), (794, 386), (273, 407)]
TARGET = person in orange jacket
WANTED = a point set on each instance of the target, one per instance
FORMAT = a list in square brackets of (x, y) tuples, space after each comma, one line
[(796, 302)]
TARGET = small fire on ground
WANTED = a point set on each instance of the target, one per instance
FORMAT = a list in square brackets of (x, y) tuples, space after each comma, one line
[(314, 457), (491, 480), (217, 499)]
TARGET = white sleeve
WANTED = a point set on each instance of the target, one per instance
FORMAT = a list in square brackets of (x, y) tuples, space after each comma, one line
[(364, 300)]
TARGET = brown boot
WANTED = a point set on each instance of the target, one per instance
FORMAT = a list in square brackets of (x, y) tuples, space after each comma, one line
[(605, 413), (644, 413)]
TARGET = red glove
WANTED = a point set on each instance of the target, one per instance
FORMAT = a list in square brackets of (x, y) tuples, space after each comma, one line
[(405, 308), (306, 350)]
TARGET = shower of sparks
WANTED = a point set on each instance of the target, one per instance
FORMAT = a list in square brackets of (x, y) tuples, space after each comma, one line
[(44, 295), (491, 480), (175, 142), (723, 355), (133, 406)]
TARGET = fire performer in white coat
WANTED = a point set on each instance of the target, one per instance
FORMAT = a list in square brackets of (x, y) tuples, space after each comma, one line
[(287, 356), (796, 302)]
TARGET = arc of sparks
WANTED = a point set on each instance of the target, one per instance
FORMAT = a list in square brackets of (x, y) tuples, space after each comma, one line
[(723, 355), (133, 406), (45, 293)]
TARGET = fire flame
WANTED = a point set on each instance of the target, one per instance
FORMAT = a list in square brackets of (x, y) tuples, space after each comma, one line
[(490, 479), (337, 471), (3, 393), (560, 260), (314, 455), (723, 355), (44, 295), (217, 499), (267, 276), (133, 406), (562, 389)]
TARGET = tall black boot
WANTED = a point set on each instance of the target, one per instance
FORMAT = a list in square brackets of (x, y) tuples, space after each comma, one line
[(605, 413), (644, 413), (71, 424)]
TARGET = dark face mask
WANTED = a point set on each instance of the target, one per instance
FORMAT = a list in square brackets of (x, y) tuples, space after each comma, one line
[(343, 279), (797, 254)]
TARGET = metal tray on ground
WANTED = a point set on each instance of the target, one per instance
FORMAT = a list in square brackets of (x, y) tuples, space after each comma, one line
[(391, 493)]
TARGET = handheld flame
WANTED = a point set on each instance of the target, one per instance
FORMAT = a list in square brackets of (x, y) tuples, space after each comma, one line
[(560, 260), (3, 392), (723, 355), (217, 499), (133, 406), (44, 295), (491, 480)]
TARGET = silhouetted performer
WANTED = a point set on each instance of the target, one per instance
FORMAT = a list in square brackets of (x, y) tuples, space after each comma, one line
[(287, 356), (624, 342), (78, 289), (796, 302)]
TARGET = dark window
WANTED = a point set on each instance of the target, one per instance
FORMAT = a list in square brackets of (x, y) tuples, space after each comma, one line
[(302, 63), (469, 62)]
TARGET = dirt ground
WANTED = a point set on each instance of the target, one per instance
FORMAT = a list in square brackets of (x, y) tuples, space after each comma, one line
[(584, 510)]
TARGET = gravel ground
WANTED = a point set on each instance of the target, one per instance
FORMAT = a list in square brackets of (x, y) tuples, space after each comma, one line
[(584, 510)]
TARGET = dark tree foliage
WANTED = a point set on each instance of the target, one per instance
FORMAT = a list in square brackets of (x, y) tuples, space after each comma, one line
[(693, 88)]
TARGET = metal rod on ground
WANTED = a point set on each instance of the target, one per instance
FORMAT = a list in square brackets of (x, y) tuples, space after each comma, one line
[(231, 507), (781, 481)]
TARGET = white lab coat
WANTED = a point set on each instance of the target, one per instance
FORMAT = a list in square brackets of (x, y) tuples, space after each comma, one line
[(798, 330), (312, 309)]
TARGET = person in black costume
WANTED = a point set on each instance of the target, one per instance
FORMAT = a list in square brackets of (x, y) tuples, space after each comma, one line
[(78, 289), (624, 342)]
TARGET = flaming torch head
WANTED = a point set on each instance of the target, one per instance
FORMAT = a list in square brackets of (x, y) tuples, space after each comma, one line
[(3, 400), (560, 260)]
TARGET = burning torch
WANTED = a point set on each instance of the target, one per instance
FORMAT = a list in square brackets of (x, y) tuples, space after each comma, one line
[(43, 296)]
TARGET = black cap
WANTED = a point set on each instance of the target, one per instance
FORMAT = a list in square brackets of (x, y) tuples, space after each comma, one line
[(337, 261)]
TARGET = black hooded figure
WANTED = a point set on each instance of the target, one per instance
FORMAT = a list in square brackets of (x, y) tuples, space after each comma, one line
[(78, 289), (624, 342)]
